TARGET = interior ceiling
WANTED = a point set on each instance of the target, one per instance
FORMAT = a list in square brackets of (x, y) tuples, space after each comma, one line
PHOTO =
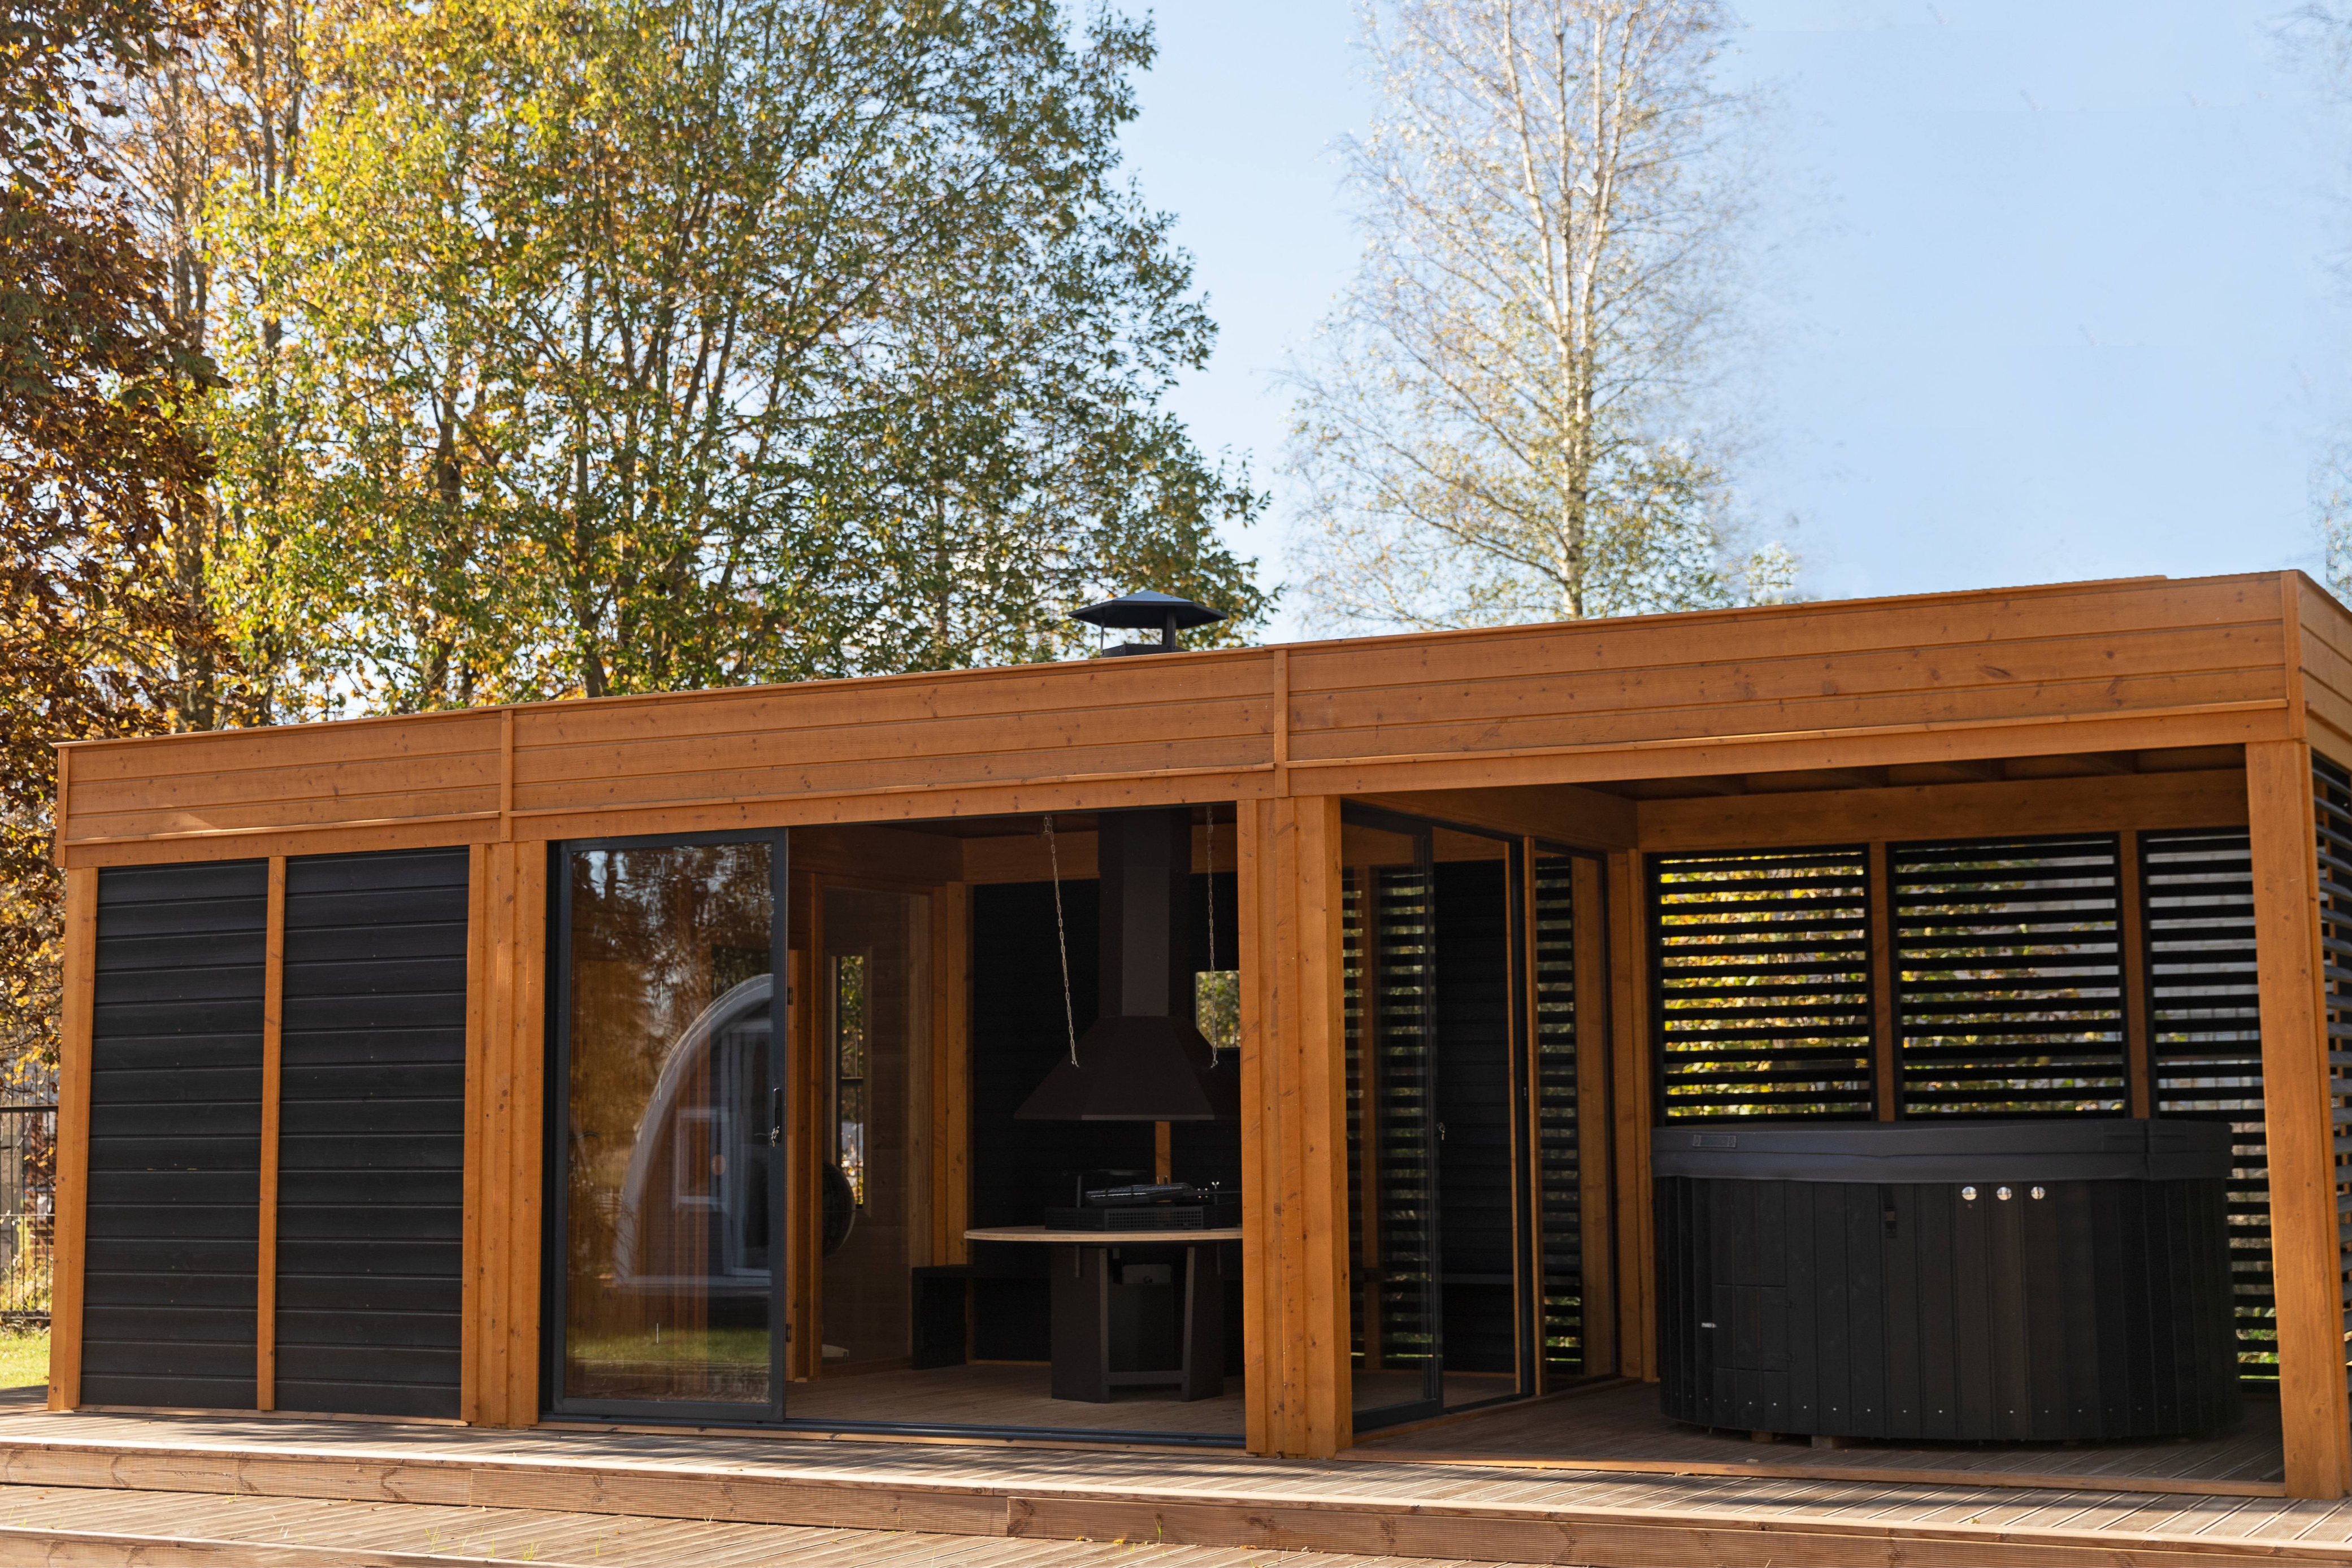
[(2075, 765)]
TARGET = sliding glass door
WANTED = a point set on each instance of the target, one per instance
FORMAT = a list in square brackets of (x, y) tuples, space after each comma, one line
[(668, 1194)]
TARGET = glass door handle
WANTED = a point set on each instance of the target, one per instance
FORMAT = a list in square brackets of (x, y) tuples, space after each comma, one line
[(775, 1117)]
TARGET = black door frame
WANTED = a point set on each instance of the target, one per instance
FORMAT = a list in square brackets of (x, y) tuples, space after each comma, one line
[(556, 1146)]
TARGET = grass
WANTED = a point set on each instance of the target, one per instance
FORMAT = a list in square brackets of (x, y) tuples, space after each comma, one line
[(705, 1347), (24, 1357)]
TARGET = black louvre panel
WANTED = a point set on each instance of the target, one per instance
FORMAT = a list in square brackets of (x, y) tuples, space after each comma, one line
[(1558, 1198), (1762, 988), (2196, 895), (370, 1199), (170, 1277), (2008, 977), (1390, 1002), (2332, 792)]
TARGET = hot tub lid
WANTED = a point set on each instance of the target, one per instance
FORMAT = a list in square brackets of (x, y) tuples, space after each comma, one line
[(2043, 1151)]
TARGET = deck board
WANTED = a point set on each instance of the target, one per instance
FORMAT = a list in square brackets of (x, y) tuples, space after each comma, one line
[(1618, 1427), (614, 1496)]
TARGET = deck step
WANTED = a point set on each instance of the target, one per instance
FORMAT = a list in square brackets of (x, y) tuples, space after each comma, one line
[(1004, 1501), (97, 1528)]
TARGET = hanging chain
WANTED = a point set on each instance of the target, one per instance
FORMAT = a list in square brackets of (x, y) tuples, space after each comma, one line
[(1062, 939)]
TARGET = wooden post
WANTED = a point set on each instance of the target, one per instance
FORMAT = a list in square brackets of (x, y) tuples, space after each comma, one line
[(952, 1072), (1588, 914), (507, 1106), (470, 1228), (1633, 1107), (273, 1037), (1294, 1130), (1886, 1050), (2140, 1045), (72, 1211), (2298, 1117)]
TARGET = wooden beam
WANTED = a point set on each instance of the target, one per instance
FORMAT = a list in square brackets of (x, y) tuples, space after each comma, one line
[(2139, 1057), (1886, 1049), (952, 1072), (273, 1054), (70, 1239), (472, 1300), (1558, 813), (510, 1106), (2215, 799), (1595, 1144), (805, 1099), (1633, 1107), (2297, 1119), (1294, 1131)]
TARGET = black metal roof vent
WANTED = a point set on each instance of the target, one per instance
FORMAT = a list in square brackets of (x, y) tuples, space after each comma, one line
[(1143, 610)]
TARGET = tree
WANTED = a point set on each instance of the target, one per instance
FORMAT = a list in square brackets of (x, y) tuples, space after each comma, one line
[(96, 450), (1500, 422), (625, 345)]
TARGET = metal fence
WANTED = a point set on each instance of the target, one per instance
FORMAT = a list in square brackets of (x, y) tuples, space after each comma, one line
[(28, 1169)]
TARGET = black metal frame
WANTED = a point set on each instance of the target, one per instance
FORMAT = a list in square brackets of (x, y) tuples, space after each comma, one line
[(556, 1146), (1527, 1305), (775, 1415)]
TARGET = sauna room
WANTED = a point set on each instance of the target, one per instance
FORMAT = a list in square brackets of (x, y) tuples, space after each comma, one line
[(1442, 1046)]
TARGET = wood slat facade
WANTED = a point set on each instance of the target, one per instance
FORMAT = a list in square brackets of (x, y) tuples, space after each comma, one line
[(2101, 710)]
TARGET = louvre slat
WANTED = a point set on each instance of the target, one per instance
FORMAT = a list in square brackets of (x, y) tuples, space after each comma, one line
[(2009, 977), (1560, 1228), (2332, 801), (1763, 981)]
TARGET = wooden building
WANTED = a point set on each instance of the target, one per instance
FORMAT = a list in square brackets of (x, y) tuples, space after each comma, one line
[(433, 1067)]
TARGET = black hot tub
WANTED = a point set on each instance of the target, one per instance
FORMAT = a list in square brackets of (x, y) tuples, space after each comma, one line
[(2013, 1281)]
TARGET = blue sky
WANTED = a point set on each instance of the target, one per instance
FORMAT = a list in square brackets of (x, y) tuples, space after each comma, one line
[(2053, 288)]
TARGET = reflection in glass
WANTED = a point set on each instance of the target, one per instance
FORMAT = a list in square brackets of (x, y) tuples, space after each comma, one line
[(849, 1069), (667, 1279)]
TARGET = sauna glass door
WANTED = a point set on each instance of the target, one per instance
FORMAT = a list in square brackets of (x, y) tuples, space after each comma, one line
[(1442, 1260), (668, 1186)]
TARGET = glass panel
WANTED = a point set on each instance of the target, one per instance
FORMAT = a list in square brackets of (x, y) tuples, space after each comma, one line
[(878, 953), (667, 1285)]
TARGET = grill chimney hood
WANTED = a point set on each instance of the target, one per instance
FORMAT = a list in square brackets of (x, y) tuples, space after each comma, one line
[(1143, 1059)]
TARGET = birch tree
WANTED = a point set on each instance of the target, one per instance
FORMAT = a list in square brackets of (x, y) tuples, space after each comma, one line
[(1500, 421)]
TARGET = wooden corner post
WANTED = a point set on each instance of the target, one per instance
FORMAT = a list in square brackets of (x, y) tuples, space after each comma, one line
[(1294, 1130), (2298, 1116), (72, 1202), (505, 1092)]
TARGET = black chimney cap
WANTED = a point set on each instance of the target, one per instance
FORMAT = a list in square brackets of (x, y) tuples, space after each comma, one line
[(1148, 612)]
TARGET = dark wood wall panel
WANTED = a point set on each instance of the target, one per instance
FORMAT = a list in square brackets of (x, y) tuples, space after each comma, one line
[(370, 1199), (170, 1279)]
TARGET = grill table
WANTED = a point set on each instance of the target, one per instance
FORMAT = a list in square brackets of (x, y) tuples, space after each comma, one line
[(1088, 1318)]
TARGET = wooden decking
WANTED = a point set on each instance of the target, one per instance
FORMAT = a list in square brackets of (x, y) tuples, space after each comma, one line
[(1617, 1429), (1016, 1395), (106, 1470)]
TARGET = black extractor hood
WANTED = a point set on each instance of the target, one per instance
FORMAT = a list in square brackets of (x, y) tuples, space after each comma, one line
[(1144, 1059)]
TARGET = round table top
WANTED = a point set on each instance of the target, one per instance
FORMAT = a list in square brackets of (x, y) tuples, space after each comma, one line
[(1097, 1238)]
